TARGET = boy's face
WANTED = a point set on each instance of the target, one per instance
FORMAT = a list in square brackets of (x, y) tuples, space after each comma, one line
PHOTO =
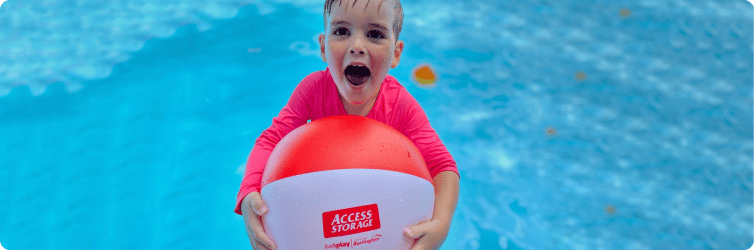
[(359, 48)]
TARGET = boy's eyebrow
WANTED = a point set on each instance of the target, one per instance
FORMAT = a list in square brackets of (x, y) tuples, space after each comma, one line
[(333, 23), (377, 25), (338, 22)]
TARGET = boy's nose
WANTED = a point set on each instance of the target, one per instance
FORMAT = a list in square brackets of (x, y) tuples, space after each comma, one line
[(357, 46)]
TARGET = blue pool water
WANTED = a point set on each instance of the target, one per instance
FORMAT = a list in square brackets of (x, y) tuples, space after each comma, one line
[(126, 124)]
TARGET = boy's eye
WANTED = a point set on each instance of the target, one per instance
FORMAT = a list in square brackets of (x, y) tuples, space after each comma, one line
[(376, 34), (338, 31)]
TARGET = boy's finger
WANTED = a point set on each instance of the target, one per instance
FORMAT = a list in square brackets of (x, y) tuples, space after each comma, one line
[(257, 232), (261, 209), (257, 204), (252, 235), (255, 244), (261, 246), (252, 222), (264, 239)]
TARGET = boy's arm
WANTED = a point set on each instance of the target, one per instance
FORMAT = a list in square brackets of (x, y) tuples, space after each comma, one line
[(446, 196), (413, 122), (432, 234), (294, 114)]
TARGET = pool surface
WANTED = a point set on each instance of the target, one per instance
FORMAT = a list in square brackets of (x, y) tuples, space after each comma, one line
[(575, 124)]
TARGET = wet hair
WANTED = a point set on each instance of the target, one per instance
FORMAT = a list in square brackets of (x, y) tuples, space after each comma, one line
[(397, 23)]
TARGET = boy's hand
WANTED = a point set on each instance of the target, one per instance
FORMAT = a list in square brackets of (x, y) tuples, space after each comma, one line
[(430, 234), (252, 209)]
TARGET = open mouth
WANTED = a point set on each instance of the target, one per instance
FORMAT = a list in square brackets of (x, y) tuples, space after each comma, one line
[(357, 75)]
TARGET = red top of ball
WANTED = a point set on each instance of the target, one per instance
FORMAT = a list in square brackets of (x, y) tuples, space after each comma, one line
[(344, 142)]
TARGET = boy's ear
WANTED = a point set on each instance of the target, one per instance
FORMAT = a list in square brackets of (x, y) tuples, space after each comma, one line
[(322, 47), (397, 54)]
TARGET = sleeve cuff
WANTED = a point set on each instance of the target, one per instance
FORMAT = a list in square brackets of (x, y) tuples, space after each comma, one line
[(242, 194)]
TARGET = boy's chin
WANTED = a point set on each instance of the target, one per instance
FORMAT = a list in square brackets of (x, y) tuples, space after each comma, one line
[(356, 101)]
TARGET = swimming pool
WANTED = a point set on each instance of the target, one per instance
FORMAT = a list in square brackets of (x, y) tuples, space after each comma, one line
[(576, 125)]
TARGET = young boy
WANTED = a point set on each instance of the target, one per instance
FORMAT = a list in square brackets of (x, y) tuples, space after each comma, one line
[(360, 44)]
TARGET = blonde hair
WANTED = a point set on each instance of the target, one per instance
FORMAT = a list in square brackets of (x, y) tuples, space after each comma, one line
[(397, 23)]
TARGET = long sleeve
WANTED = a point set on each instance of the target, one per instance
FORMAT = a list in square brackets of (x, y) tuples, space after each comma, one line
[(413, 122), (295, 113)]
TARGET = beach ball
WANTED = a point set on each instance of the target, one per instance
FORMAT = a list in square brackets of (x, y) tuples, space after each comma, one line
[(345, 182)]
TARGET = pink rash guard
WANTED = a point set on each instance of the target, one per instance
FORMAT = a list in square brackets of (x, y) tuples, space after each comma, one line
[(317, 97)]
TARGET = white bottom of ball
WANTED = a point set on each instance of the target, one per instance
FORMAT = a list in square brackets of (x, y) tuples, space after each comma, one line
[(341, 208)]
